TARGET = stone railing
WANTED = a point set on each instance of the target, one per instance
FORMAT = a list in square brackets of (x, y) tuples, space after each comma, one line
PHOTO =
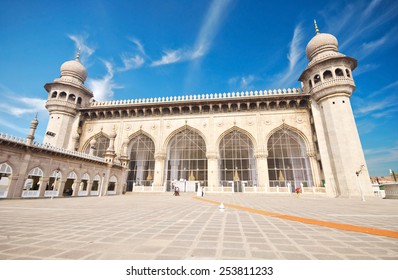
[(48, 147), (198, 97)]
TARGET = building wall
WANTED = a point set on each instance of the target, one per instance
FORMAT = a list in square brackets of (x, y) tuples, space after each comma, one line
[(23, 159), (258, 125)]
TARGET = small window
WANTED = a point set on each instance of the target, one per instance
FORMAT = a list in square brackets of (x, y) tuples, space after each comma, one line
[(317, 79), (54, 94), (348, 73), (327, 75), (339, 72)]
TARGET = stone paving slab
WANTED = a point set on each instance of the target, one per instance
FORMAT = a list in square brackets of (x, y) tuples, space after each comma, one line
[(161, 227)]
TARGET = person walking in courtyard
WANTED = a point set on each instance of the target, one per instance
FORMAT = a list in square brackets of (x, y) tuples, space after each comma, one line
[(177, 191)]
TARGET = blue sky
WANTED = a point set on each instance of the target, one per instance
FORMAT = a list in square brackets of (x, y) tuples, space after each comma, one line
[(155, 48)]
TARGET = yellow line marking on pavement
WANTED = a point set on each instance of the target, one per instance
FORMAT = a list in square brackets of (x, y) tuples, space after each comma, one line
[(347, 227)]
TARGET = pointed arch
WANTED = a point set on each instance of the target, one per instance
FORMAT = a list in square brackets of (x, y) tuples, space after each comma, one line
[(141, 153), (236, 128), (5, 168), (288, 161), (237, 162), (178, 130), (5, 181), (185, 159), (284, 126), (101, 145)]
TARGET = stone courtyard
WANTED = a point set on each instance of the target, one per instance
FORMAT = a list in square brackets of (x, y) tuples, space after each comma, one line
[(162, 227)]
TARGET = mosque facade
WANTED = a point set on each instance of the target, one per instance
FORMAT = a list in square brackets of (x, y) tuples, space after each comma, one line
[(265, 141)]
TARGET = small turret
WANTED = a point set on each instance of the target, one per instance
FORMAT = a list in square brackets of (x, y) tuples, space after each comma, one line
[(32, 130)]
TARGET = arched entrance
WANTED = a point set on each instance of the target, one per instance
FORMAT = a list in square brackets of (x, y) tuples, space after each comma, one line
[(186, 162), (32, 183), (288, 162), (70, 184), (237, 164), (53, 186), (142, 162), (5, 181)]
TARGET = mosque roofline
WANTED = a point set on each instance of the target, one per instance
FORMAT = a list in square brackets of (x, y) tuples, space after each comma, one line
[(197, 98)]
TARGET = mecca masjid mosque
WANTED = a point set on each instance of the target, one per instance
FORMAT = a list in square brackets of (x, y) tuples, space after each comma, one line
[(263, 141)]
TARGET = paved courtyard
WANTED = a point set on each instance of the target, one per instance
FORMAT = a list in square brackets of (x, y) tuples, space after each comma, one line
[(162, 226)]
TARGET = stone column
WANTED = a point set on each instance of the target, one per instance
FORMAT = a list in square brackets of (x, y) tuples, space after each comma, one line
[(314, 169), (61, 186), (262, 169), (158, 176), (212, 171), (43, 185)]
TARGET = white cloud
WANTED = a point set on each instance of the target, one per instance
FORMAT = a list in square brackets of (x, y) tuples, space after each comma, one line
[(103, 88), (210, 27), (85, 50), (168, 57), (296, 59), (139, 45), (26, 105), (131, 62)]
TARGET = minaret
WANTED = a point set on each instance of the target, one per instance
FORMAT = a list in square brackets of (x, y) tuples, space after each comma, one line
[(328, 78), (66, 95), (32, 130)]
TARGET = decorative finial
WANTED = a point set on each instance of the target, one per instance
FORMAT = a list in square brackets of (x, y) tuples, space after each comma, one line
[(78, 54), (316, 27)]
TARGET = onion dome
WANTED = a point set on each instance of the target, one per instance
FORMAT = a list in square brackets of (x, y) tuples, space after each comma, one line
[(75, 69), (321, 43)]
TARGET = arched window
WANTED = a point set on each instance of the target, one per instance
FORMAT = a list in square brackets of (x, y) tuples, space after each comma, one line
[(62, 95), (79, 101), (102, 143), (112, 185), (54, 180), (54, 94), (339, 72), (327, 75), (5, 181), (237, 163), (72, 98), (288, 163), (33, 181), (317, 79), (142, 162), (348, 73), (186, 162)]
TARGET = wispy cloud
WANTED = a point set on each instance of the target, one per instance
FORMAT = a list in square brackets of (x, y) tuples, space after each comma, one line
[(169, 57), (366, 68), (26, 105), (385, 88), (103, 88), (296, 60), (211, 24), (382, 156), (138, 45), (81, 44), (131, 62), (210, 27), (372, 5), (242, 83)]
